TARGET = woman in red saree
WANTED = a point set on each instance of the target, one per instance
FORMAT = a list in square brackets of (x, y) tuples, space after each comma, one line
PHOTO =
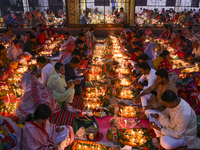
[(166, 33), (34, 94), (52, 32), (40, 134), (163, 61)]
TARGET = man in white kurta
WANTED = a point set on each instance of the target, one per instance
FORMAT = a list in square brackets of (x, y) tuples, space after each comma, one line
[(178, 123), (46, 69), (148, 74)]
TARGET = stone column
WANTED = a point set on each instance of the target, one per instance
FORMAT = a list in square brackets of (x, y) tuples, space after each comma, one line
[(71, 11), (132, 12)]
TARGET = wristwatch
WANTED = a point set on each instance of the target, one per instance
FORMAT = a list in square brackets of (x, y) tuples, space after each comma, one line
[(143, 107)]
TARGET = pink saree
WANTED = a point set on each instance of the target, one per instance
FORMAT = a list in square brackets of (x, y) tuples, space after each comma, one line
[(38, 138), (34, 94)]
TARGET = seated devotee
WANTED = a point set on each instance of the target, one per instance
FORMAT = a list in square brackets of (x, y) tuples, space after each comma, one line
[(34, 31), (46, 69), (10, 22), (145, 58), (165, 33), (52, 32), (148, 32), (84, 18), (10, 134), (189, 33), (186, 48), (128, 36), (178, 123), (15, 50), (123, 16), (41, 38), (172, 35), (135, 44), (163, 61), (69, 38), (31, 46), (34, 94), (39, 133), (148, 74), (150, 51), (80, 47), (195, 57), (136, 39), (62, 91), (90, 36), (152, 101), (3, 56), (81, 37), (70, 75), (75, 53), (6, 36)]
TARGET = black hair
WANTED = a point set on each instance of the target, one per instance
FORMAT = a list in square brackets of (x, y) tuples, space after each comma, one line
[(42, 30), (81, 34), (6, 30), (121, 8), (2, 47), (143, 57), (76, 52), (190, 27), (18, 36), (41, 59), (43, 111), (75, 60), (137, 49), (179, 31), (162, 73), (80, 42), (134, 43), (31, 36), (128, 32), (169, 96), (16, 41), (182, 37), (58, 65), (91, 29), (28, 32), (66, 33), (34, 29), (164, 53), (144, 66), (82, 30)]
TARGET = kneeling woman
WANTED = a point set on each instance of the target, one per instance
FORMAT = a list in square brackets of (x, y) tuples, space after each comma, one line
[(39, 133)]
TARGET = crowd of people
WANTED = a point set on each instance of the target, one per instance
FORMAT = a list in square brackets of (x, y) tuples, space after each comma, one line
[(170, 110), (94, 17), (31, 18), (163, 99), (191, 17), (46, 89)]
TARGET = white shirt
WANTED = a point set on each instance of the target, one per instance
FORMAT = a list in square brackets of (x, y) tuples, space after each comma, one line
[(196, 51), (151, 78), (71, 39), (46, 71), (182, 123), (90, 36), (14, 52)]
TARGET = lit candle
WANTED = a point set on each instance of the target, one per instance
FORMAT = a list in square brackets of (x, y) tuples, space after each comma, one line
[(8, 98), (15, 92)]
